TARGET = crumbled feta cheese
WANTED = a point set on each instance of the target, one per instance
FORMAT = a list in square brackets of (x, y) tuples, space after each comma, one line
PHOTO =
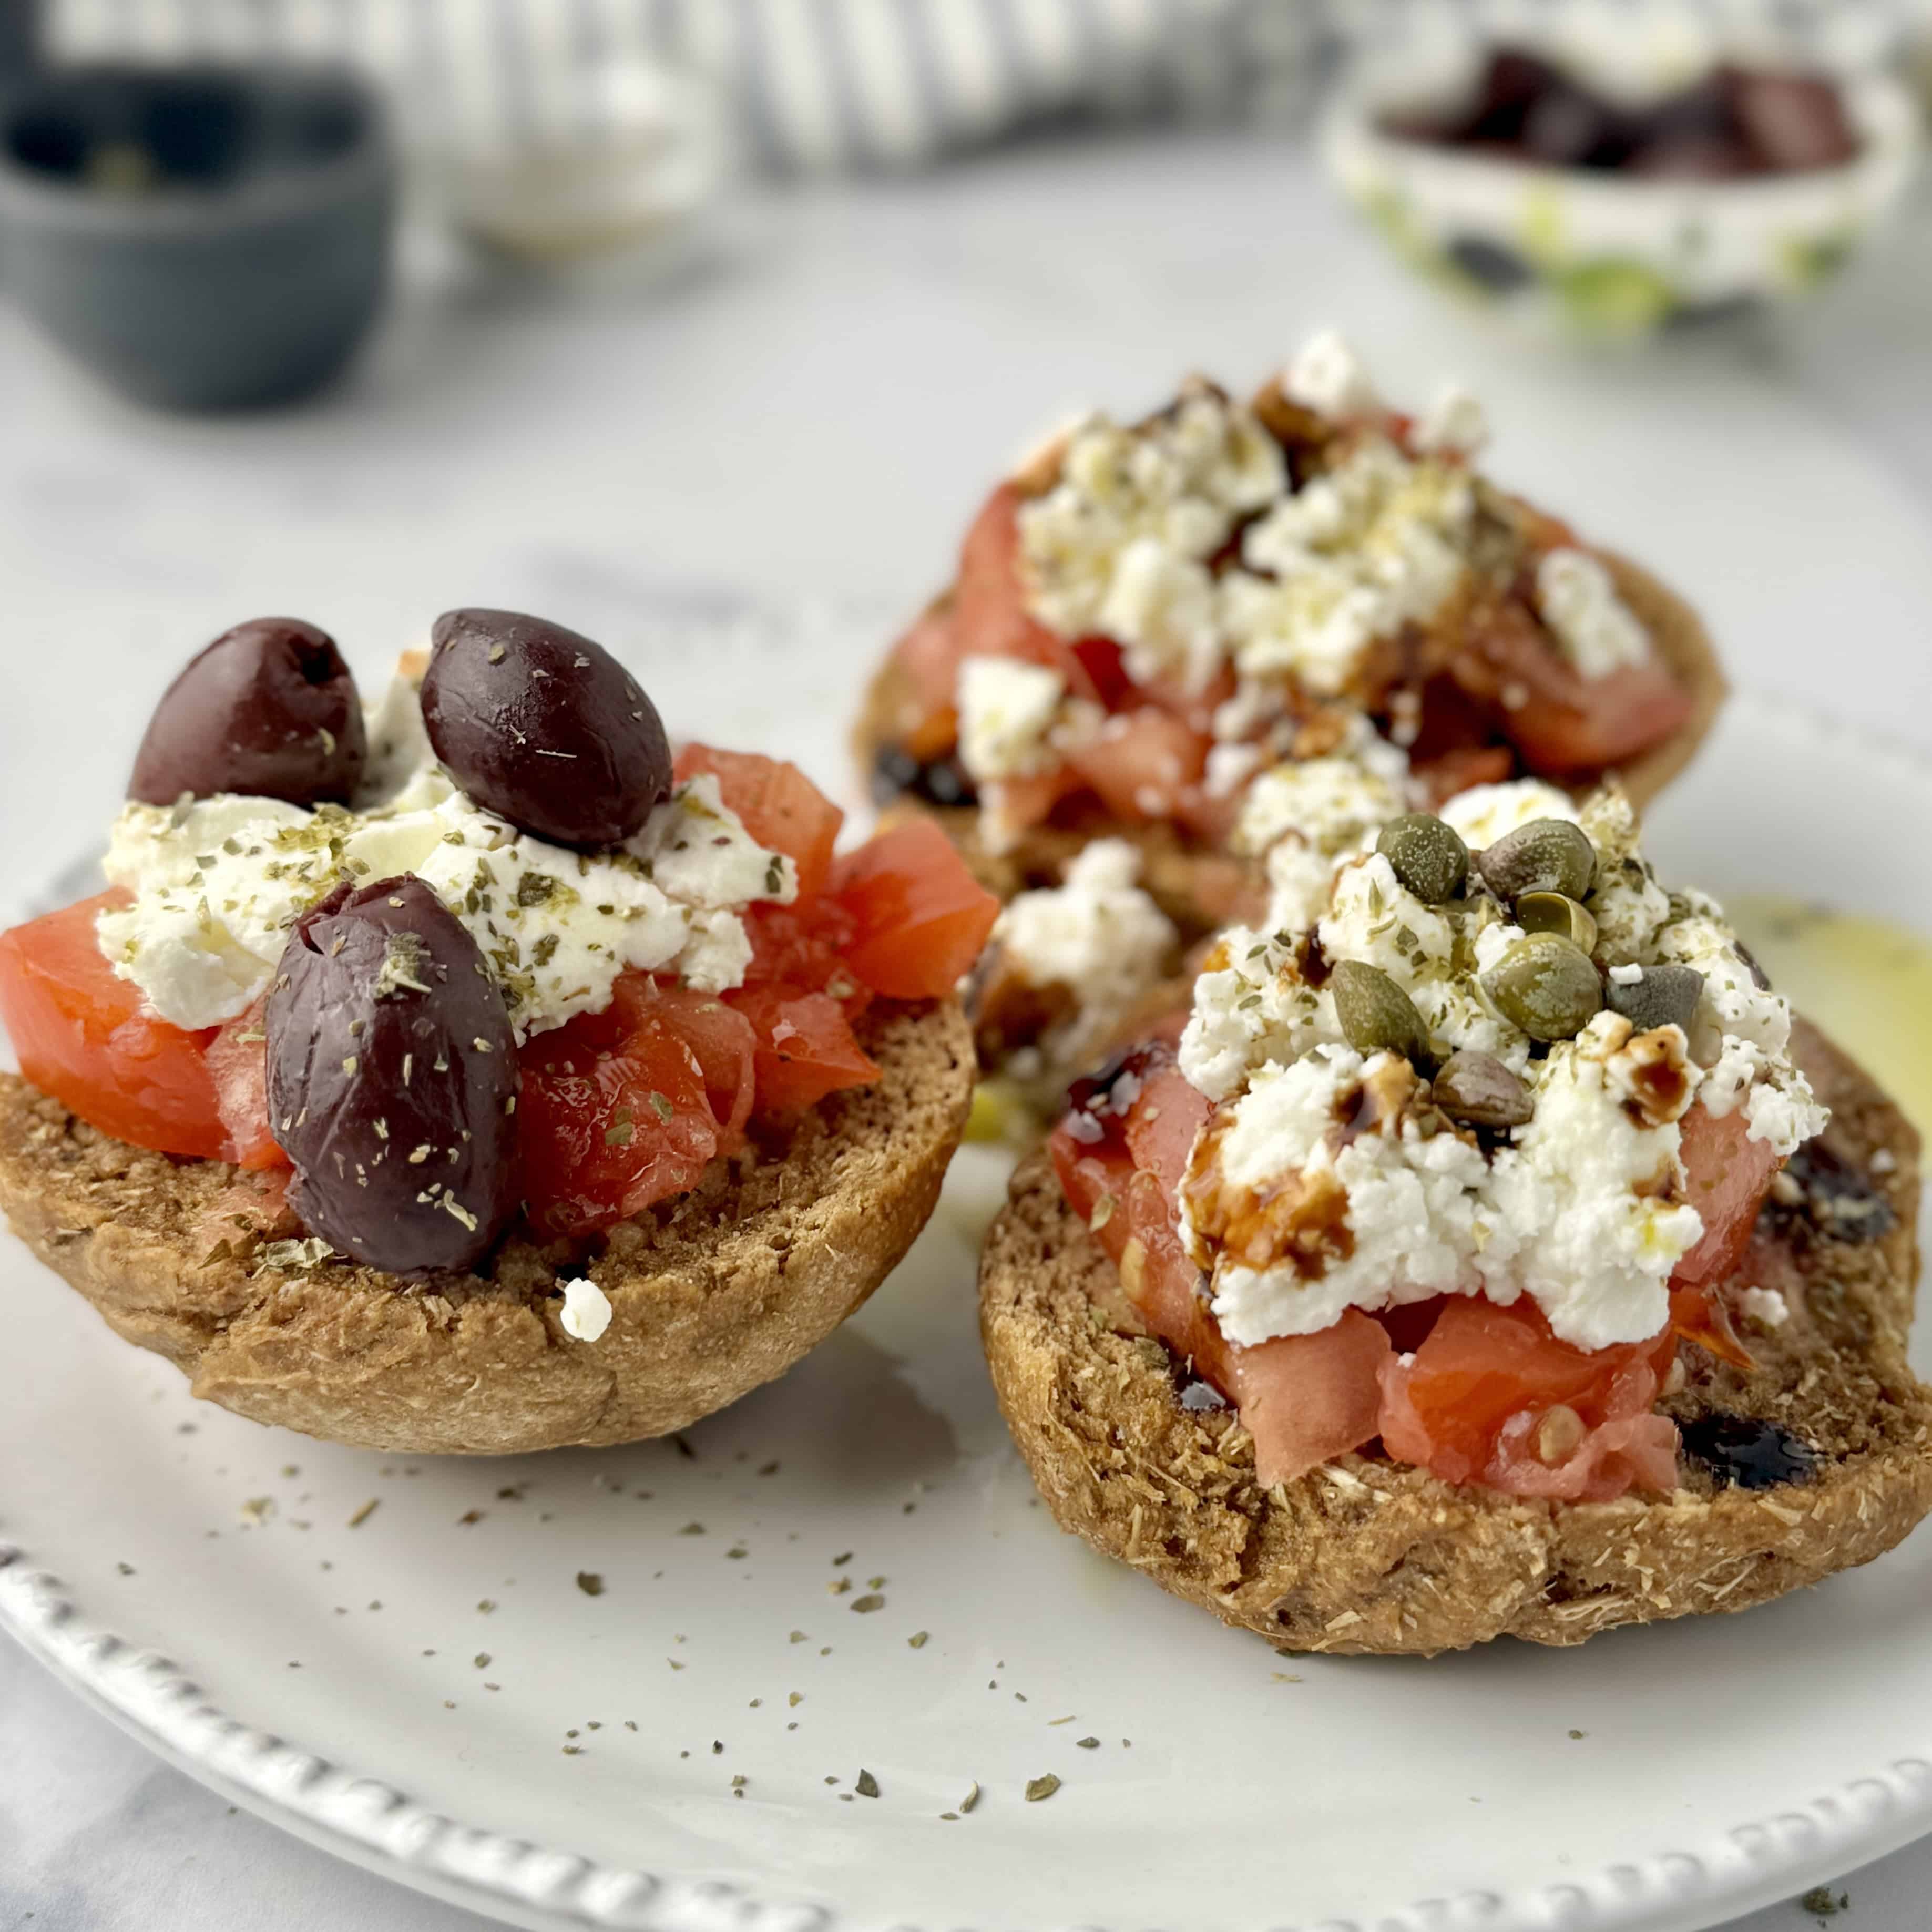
[(1181, 480), (1328, 802), (586, 1313), (1741, 1033), (1099, 935), (1454, 425), (1300, 881), (1583, 1188), (1230, 767), (1582, 1207), (1374, 918), (1326, 375), (1414, 1204), (1372, 542), (1128, 541), (1485, 813), (399, 748), (1251, 1009), (216, 886), (1161, 608), (1599, 632), (1006, 708), (1765, 1306)]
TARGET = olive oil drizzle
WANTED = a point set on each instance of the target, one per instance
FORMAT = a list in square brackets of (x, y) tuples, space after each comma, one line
[(1866, 981)]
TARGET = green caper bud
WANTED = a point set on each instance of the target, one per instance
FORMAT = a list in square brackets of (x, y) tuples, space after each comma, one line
[(1425, 855), (1547, 855), (1546, 985), (1377, 1016), (1479, 1091), (1552, 912), (1665, 996)]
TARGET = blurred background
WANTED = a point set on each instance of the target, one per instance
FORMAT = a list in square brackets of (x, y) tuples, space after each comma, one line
[(702, 325)]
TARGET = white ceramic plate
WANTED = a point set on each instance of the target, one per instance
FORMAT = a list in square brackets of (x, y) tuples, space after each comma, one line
[(428, 1688)]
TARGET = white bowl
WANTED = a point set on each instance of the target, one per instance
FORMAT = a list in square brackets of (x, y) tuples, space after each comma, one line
[(1606, 256)]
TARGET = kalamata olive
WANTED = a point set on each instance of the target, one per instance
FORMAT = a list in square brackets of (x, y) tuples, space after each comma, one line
[(1665, 995), (269, 709), (1547, 855), (392, 1080), (1376, 1015), (1425, 855), (1479, 1091), (1546, 985), (543, 727)]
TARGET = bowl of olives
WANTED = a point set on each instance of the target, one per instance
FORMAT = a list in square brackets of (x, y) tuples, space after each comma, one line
[(1605, 201)]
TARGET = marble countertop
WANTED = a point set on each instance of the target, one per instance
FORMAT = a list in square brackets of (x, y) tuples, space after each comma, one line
[(802, 410)]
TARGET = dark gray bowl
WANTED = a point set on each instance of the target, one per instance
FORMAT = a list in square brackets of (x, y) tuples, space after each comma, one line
[(202, 237)]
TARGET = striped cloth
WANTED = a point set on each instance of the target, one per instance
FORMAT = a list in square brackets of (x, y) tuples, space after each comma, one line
[(823, 84), (817, 83)]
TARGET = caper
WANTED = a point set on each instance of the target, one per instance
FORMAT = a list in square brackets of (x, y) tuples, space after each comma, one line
[(1552, 912), (1425, 855), (1545, 985), (1479, 1091), (1377, 1016), (1547, 855), (1666, 996)]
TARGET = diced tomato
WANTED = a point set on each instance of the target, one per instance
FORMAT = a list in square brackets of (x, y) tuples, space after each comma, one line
[(781, 807), (1472, 1403), (1475, 1403), (801, 945), (1564, 724), (918, 918), (1103, 661), (622, 1108), (1017, 804), (82, 1035), (238, 1061), (1304, 1399), (1142, 763), (1614, 718), (990, 617), (1163, 1125), (1457, 771), (1307, 1399), (928, 654), (804, 1048), (1727, 1176), (721, 1040)]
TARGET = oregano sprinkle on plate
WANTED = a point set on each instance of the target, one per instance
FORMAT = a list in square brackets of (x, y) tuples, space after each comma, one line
[(868, 1785), (1038, 1788), (798, 1636), (590, 1582), (918, 1640), (363, 1515), (863, 1606), (1086, 1744), (967, 1803)]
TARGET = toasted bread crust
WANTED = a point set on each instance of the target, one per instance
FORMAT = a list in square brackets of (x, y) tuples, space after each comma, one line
[(1201, 888), (1367, 1555), (711, 1293)]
